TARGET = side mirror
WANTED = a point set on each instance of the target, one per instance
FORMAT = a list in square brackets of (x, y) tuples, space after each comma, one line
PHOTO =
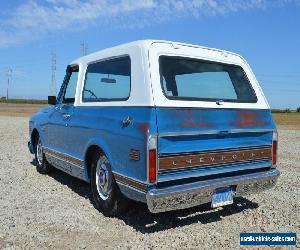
[(52, 100)]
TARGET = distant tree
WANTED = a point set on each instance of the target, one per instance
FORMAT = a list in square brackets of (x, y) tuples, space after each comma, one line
[(287, 111), (298, 109)]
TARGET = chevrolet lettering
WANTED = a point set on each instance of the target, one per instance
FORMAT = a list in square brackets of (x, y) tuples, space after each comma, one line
[(169, 124)]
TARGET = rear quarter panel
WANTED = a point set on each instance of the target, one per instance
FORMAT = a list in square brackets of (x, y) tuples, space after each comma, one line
[(103, 126)]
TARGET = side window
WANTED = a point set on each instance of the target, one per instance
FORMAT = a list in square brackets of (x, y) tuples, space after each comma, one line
[(70, 83), (108, 80)]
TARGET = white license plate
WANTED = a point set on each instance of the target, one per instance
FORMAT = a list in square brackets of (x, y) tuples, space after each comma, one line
[(222, 197)]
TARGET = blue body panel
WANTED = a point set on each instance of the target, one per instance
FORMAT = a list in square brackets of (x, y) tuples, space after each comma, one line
[(219, 123)]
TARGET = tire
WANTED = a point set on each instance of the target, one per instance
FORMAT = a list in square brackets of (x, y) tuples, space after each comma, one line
[(42, 166), (106, 194)]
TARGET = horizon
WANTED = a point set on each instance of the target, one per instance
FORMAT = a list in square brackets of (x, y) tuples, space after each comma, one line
[(264, 32)]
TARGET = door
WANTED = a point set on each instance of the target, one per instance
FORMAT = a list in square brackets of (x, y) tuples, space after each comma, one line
[(58, 127)]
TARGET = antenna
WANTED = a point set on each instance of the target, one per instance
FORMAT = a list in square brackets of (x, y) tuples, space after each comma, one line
[(83, 48), (9, 76), (53, 68)]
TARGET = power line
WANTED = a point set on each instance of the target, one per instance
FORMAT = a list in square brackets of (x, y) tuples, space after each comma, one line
[(278, 75)]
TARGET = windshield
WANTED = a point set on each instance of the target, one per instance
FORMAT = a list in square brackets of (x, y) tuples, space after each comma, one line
[(194, 79)]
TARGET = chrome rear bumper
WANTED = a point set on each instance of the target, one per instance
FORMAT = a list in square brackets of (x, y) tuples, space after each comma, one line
[(194, 194)]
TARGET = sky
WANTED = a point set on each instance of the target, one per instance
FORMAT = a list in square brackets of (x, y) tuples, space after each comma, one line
[(265, 32)]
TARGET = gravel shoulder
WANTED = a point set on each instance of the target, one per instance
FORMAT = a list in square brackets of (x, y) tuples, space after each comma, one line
[(55, 211)]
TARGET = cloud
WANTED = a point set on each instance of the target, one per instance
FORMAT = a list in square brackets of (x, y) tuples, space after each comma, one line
[(32, 20)]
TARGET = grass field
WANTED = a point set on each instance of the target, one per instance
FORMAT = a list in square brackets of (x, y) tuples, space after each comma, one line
[(25, 110), (287, 119), (19, 109)]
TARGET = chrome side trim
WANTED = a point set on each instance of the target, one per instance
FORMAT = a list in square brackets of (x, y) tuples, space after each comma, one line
[(66, 163), (65, 166), (131, 178), (64, 160), (209, 132), (130, 182), (194, 194), (63, 156)]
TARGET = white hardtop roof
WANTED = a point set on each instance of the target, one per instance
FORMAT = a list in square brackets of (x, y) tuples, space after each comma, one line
[(150, 93), (145, 44)]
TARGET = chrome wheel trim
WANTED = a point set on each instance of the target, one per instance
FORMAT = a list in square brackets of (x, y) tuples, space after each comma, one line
[(103, 178), (39, 152)]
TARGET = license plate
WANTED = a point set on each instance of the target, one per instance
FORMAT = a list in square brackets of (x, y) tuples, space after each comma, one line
[(222, 197)]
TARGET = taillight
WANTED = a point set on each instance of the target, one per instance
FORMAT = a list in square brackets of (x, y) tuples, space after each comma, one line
[(152, 165), (152, 174), (274, 148)]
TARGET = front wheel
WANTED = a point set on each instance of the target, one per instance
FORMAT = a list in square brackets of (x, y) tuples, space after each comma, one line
[(42, 166), (107, 196)]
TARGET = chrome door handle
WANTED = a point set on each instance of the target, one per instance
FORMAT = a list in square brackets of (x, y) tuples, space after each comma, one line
[(126, 121), (66, 116)]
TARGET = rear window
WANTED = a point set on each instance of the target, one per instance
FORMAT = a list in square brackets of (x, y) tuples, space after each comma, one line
[(193, 79)]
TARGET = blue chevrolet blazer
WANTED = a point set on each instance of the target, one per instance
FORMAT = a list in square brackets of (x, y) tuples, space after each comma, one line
[(169, 124)]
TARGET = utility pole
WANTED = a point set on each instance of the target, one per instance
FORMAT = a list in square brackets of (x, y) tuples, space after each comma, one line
[(53, 69), (83, 48), (9, 76)]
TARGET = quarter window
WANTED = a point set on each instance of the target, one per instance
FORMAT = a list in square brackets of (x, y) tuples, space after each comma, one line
[(69, 87), (108, 80)]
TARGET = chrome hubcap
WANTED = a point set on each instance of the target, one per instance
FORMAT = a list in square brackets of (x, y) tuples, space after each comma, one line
[(103, 178), (39, 152)]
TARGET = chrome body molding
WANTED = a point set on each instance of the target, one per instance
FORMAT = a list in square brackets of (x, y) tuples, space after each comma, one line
[(121, 179), (66, 163), (197, 193), (66, 157), (211, 132)]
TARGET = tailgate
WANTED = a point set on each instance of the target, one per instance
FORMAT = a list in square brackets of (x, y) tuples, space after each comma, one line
[(195, 142)]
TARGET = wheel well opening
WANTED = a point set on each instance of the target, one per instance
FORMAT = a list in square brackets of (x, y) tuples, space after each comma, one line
[(34, 136), (89, 157)]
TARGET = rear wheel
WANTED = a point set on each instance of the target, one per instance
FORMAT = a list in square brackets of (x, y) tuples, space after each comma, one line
[(42, 166), (107, 196)]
